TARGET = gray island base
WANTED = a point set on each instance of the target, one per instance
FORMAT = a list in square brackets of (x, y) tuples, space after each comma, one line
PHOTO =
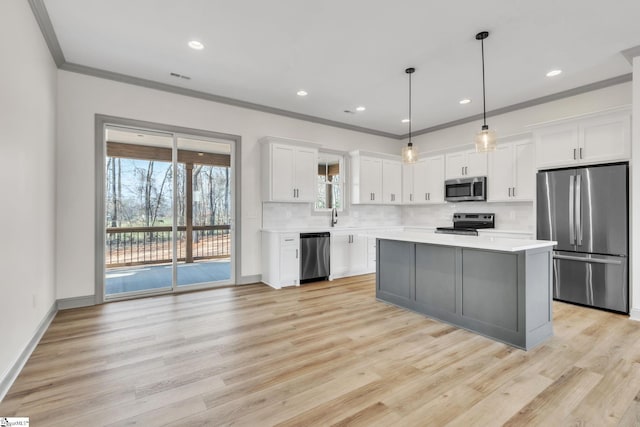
[(504, 295)]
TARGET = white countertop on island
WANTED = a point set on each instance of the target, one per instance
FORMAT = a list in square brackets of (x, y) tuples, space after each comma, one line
[(473, 242)]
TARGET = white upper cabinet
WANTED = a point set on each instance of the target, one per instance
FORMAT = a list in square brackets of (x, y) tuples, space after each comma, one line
[(596, 138), (511, 174), (289, 170), (467, 163), (375, 178), (423, 181), (392, 182)]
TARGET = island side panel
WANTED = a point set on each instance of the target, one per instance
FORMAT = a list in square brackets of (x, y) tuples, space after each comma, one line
[(539, 310), (395, 272)]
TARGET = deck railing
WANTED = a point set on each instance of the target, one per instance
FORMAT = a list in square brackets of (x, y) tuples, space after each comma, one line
[(127, 246)]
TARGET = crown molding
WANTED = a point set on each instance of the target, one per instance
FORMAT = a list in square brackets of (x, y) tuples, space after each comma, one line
[(46, 27), (530, 103)]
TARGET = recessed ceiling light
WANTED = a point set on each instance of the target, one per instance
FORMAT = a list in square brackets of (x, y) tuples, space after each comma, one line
[(360, 108), (554, 73), (465, 101), (302, 93), (405, 120), (195, 44)]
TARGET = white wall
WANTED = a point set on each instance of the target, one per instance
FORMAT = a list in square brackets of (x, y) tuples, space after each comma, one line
[(635, 194), (27, 210), (81, 97)]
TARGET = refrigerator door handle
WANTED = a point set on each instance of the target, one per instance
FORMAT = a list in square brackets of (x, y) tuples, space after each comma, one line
[(572, 228), (578, 210), (592, 260)]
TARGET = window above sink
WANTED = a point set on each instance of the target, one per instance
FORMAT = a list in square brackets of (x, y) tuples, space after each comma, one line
[(330, 182)]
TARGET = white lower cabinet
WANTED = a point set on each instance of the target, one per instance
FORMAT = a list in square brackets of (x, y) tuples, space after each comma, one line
[(349, 253), (371, 254), (280, 259)]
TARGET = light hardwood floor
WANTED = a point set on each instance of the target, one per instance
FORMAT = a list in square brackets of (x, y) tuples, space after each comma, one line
[(322, 354)]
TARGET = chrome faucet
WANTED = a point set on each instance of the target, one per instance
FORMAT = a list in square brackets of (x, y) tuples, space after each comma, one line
[(334, 217)]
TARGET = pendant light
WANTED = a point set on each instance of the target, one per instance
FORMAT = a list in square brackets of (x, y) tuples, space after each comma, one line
[(409, 153), (485, 139)]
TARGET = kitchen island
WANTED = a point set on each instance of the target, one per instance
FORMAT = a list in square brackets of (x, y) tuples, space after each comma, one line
[(498, 287)]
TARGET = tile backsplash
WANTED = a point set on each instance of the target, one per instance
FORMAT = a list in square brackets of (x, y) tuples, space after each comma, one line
[(509, 216), (301, 215)]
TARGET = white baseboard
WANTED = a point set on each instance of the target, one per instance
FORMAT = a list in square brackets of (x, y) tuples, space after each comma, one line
[(635, 314), (249, 280), (76, 302), (14, 371)]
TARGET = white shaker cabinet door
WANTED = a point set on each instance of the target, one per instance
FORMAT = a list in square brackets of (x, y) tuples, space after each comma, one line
[(391, 182), (524, 186), (283, 174), (501, 172), (306, 167), (606, 138), (556, 146)]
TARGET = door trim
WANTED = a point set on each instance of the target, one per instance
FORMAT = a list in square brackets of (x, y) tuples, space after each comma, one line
[(100, 122)]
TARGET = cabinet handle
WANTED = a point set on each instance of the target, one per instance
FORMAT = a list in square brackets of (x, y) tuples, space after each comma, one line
[(580, 152), (426, 196), (296, 254), (514, 192), (574, 154), (509, 191), (411, 197), (462, 170), (466, 170)]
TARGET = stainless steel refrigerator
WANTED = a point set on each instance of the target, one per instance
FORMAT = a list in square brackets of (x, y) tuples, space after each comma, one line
[(586, 211)]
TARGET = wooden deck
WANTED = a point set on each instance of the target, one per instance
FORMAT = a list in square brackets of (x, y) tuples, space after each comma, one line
[(323, 354)]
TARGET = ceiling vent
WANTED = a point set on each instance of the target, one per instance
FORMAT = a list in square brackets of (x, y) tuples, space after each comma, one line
[(180, 76)]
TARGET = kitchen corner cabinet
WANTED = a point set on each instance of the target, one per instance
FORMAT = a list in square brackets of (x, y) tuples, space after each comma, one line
[(289, 170), (511, 175), (349, 253), (280, 259), (423, 181), (595, 138), (375, 178), (465, 164)]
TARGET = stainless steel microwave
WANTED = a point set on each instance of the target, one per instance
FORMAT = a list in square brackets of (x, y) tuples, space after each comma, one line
[(466, 189)]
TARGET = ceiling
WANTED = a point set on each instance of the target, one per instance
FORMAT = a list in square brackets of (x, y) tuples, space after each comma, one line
[(351, 53)]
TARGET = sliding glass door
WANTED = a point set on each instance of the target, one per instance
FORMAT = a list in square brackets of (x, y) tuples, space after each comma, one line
[(168, 209)]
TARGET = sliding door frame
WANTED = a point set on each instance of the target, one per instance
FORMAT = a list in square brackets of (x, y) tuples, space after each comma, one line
[(101, 122)]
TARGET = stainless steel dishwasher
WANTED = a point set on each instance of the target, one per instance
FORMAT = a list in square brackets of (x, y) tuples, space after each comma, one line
[(314, 259)]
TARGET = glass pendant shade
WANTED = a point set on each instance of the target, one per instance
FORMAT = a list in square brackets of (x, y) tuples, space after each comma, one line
[(485, 140), (409, 154)]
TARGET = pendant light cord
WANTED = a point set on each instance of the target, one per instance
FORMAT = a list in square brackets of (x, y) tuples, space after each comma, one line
[(410, 109), (484, 99)]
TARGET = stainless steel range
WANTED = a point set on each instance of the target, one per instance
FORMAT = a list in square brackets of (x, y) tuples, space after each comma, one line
[(469, 223)]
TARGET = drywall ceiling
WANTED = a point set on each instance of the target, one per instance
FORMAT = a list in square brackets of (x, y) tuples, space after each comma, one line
[(351, 53)]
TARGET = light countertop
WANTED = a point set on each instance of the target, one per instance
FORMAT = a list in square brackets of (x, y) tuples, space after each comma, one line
[(474, 242)]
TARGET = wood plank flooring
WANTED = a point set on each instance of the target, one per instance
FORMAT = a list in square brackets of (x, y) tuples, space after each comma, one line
[(323, 354)]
